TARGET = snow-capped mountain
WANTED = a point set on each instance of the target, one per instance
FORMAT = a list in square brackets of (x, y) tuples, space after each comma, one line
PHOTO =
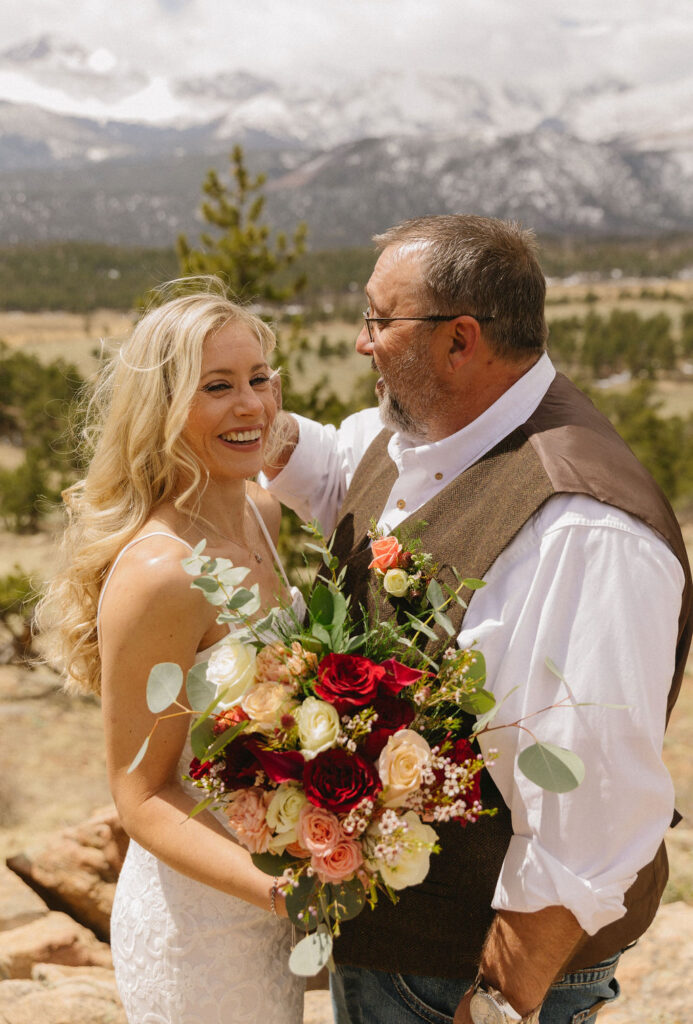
[(347, 157)]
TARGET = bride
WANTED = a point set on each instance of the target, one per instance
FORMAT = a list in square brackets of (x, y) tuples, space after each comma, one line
[(184, 416)]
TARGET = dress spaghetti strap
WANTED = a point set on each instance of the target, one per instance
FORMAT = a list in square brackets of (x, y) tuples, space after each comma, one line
[(270, 543), (145, 536)]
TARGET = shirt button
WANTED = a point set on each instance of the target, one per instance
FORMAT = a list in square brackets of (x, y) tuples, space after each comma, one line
[(401, 503), (439, 476)]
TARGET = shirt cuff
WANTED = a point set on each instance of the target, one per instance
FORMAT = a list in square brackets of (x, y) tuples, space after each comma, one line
[(531, 879)]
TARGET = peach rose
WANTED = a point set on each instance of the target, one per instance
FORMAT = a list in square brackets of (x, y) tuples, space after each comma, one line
[(264, 704), (400, 766), (247, 814), (386, 552), (339, 863), (318, 830)]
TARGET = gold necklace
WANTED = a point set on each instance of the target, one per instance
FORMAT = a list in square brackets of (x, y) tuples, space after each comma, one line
[(257, 555)]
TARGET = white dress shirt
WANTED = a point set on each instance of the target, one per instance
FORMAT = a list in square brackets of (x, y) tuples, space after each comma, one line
[(582, 583)]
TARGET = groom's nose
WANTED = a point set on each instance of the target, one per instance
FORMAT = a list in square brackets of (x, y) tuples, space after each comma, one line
[(364, 345)]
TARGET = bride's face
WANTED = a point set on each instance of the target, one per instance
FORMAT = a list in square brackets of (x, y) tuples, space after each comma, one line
[(234, 406)]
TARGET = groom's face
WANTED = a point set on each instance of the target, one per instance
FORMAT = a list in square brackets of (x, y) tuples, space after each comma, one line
[(401, 350)]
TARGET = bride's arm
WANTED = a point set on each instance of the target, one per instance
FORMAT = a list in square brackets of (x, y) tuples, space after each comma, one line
[(149, 615)]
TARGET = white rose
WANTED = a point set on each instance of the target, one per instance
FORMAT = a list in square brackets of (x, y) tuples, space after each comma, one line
[(264, 703), (396, 582), (231, 668), (284, 809), (401, 763), (318, 726), (413, 861)]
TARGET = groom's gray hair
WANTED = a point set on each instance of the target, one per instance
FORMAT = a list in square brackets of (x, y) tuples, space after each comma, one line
[(481, 266)]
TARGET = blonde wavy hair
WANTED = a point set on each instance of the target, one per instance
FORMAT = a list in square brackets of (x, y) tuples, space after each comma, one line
[(135, 418)]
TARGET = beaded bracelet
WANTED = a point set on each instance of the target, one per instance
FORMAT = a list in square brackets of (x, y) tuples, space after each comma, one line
[(273, 896)]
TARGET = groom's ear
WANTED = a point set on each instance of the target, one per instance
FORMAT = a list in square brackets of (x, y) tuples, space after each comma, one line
[(463, 341)]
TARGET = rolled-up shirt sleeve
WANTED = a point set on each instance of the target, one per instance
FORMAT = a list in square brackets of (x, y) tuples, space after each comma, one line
[(599, 594), (315, 479)]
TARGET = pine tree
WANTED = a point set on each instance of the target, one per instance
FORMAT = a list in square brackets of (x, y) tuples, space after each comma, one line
[(242, 254)]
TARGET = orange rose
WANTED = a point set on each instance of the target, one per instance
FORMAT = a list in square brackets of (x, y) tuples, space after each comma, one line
[(386, 552)]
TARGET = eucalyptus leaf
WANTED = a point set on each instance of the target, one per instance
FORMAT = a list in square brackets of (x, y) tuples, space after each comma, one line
[(321, 634), (206, 584), (239, 598), (435, 594), (232, 576), (198, 688), (444, 621), (455, 596), (477, 667), (347, 899), (485, 719), (163, 686), (216, 598), (311, 954), (201, 735), (272, 863), (473, 584), (303, 895), (138, 756), (552, 667), (422, 627), (192, 565), (551, 767), (339, 608), (322, 604), (355, 643), (479, 702)]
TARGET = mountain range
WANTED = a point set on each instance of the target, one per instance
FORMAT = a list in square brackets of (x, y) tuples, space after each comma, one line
[(92, 149)]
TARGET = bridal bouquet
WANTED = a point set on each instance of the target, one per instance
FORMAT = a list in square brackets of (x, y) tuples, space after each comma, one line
[(333, 743)]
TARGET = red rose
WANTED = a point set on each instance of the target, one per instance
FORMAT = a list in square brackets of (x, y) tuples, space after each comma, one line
[(393, 714), (397, 676), (281, 765), (338, 781), (199, 769), (348, 681), (240, 762)]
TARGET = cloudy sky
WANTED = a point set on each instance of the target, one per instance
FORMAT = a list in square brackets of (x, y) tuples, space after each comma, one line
[(532, 41)]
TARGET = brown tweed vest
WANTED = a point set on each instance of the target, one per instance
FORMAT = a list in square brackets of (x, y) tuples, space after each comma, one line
[(437, 928)]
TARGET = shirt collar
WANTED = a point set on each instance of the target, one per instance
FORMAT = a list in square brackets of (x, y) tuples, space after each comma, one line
[(453, 454)]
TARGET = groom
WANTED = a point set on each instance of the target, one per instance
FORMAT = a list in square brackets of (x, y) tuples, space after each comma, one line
[(511, 475)]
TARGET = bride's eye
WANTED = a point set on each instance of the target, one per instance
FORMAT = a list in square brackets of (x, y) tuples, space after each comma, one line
[(259, 380), (215, 387)]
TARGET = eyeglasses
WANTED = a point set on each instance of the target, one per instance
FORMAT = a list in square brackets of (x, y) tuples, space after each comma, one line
[(368, 320)]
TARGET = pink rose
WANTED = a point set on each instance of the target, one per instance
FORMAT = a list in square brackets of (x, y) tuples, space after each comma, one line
[(318, 830), (386, 552), (339, 863), (247, 814)]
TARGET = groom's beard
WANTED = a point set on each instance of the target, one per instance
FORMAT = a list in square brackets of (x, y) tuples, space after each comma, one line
[(409, 392)]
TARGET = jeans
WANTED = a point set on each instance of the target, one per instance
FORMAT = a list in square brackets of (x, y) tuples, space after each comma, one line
[(361, 996)]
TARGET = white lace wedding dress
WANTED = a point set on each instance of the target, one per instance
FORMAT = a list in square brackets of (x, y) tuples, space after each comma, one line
[(185, 953)]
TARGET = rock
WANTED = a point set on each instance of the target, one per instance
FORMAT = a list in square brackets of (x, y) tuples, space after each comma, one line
[(77, 870), (18, 903), (62, 995), (55, 939), (653, 974)]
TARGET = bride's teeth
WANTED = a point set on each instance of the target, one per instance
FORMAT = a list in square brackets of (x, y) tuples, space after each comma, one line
[(242, 435)]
